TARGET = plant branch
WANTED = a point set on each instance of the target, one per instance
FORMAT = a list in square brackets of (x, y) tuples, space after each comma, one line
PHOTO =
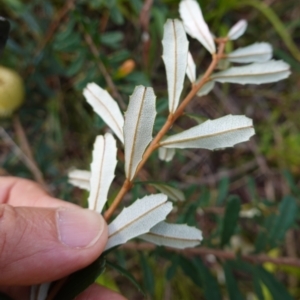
[(227, 255), (124, 189), (24, 145), (69, 5), (170, 121), (88, 39), (28, 162)]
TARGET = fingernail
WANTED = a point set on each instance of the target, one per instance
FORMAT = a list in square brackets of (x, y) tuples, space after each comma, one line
[(79, 228)]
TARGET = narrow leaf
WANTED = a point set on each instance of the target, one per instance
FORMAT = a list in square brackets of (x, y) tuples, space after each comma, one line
[(257, 287), (256, 73), (80, 178), (190, 269), (79, 281), (195, 25), (138, 126), (171, 271), (230, 219), (171, 192), (102, 170), (106, 107), (237, 30), (166, 154), (258, 52), (223, 188), (213, 134), (138, 219), (277, 289), (125, 273), (173, 235), (211, 288), (288, 210), (191, 68), (175, 55), (148, 276), (231, 284)]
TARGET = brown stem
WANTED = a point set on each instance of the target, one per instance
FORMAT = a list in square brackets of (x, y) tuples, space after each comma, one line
[(24, 145), (88, 39), (227, 255), (170, 121), (69, 5), (126, 187)]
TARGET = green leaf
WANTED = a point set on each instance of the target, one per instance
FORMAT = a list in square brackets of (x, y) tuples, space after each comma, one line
[(231, 217), (149, 282), (77, 64), (72, 42), (204, 198), (261, 240), (210, 285), (173, 193), (231, 284), (277, 290), (257, 288), (62, 35), (291, 182), (125, 273), (251, 187), (173, 267), (190, 269), (287, 217), (223, 188), (81, 280), (116, 16), (241, 266), (112, 39)]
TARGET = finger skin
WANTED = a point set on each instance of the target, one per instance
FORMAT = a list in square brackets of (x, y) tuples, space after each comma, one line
[(31, 249), (30, 256), (21, 192), (97, 292)]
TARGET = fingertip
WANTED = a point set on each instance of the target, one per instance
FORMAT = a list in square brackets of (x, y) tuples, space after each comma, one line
[(38, 251), (81, 228)]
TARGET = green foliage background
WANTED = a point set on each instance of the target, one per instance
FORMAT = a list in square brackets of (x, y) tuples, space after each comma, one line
[(56, 60)]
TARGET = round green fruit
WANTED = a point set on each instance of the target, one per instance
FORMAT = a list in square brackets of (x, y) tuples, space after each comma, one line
[(11, 91)]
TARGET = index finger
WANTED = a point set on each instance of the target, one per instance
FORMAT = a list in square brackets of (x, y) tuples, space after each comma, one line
[(22, 192)]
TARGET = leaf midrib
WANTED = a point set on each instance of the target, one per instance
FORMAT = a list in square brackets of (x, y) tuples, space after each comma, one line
[(203, 136)]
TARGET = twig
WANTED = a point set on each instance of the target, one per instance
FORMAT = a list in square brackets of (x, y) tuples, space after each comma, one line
[(291, 250), (55, 23), (227, 255), (246, 167), (88, 39), (170, 121), (24, 145), (144, 22), (30, 164)]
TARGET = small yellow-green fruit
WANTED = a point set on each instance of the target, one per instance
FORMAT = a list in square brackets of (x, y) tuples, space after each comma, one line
[(11, 91)]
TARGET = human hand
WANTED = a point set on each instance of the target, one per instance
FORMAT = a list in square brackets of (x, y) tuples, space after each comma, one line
[(43, 239)]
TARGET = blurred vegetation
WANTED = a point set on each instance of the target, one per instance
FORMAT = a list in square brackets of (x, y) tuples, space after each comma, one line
[(59, 47)]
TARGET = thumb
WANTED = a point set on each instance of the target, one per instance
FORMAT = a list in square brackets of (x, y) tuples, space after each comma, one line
[(44, 244)]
